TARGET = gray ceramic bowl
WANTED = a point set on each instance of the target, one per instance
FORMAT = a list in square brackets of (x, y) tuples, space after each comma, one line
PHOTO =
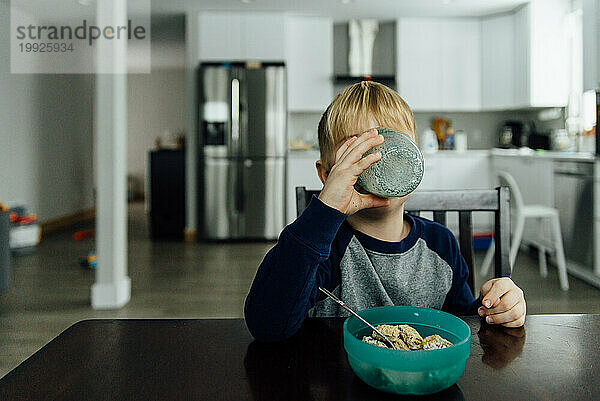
[(400, 169)]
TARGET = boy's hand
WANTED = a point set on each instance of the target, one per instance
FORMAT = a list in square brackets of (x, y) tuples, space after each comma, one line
[(338, 190), (503, 303)]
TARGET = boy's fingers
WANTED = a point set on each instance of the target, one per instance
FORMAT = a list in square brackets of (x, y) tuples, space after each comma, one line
[(374, 130), (356, 151), (507, 302), (366, 161), (343, 148), (509, 316), (359, 140), (499, 287), (517, 323)]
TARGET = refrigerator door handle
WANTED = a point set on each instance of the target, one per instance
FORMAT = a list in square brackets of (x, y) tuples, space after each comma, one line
[(235, 113)]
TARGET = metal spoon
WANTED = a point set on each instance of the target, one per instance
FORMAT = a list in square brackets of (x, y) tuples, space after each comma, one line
[(343, 305)]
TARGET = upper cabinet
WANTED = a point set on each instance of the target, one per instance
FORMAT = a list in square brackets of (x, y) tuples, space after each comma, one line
[(439, 63), (419, 73), (220, 36), (591, 44), (497, 62), (263, 36), (461, 64), (508, 61), (524, 57), (309, 54), (249, 36), (547, 52), (304, 43)]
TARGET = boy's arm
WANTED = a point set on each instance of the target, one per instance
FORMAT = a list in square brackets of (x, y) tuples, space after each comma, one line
[(286, 284), (500, 301)]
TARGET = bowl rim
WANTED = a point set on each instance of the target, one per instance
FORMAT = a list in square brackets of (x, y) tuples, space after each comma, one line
[(385, 131), (388, 351)]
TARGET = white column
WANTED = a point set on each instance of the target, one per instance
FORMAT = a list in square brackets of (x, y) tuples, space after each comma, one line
[(192, 59), (112, 288)]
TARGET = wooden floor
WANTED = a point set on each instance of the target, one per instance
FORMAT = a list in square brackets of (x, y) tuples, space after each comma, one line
[(50, 291)]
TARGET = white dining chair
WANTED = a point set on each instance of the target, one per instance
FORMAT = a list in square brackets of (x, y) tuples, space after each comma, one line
[(521, 212)]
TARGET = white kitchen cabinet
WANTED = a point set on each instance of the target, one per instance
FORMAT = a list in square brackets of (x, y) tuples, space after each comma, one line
[(522, 62), (540, 69), (250, 36), (309, 53), (419, 73), (263, 36), (450, 170), (439, 63), (591, 44), (497, 62), (507, 61), (461, 64), (534, 175), (535, 178), (220, 37), (548, 53)]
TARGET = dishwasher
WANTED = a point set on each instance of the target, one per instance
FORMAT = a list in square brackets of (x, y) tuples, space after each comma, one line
[(574, 198)]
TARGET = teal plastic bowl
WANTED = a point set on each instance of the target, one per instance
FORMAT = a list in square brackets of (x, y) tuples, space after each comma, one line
[(408, 372)]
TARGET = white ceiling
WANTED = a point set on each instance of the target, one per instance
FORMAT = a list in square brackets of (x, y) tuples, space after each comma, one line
[(347, 9), (337, 9)]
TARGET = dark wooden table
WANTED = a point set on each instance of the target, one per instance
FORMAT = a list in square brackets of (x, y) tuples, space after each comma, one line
[(554, 357)]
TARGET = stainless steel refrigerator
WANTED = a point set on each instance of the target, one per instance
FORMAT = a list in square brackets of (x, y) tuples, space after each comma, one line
[(242, 122)]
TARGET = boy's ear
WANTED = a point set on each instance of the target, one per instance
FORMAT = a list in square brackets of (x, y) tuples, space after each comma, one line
[(321, 171)]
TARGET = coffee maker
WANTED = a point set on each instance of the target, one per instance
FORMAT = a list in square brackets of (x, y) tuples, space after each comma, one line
[(512, 135)]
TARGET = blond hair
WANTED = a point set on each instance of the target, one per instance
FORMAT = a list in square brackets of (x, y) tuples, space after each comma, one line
[(355, 109)]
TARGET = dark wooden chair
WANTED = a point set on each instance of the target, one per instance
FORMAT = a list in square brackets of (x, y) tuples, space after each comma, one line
[(464, 202)]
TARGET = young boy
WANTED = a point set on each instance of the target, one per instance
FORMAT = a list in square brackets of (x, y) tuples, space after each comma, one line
[(363, 248)]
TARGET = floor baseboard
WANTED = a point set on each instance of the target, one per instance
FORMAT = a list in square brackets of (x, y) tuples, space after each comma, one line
[(63, 222)]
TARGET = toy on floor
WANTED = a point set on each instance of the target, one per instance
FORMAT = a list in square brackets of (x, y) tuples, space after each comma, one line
[(90, 262), (25, 231), (83, 234)]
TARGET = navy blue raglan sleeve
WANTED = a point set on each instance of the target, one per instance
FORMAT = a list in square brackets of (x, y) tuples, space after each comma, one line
[(460, 299), (286, 284)]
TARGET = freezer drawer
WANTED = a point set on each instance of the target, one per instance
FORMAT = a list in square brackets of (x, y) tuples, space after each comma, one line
[(243, 198), (219, 214), (263, 199)]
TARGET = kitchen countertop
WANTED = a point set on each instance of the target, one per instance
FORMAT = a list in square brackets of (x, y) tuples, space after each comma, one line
[(553, 155), (304, 154), (456, 153), (495, 152)]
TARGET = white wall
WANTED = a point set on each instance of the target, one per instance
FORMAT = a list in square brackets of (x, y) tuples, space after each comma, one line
[(157, 101), (156, 104), (46, 130), (45, 137)]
